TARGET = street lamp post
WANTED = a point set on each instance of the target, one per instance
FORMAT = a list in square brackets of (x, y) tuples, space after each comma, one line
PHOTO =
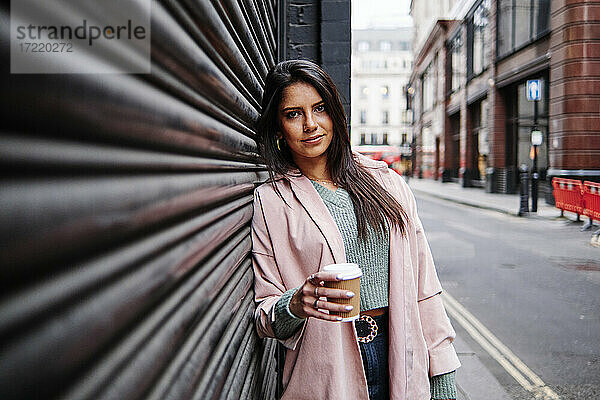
[(534, 93), (536, 138)]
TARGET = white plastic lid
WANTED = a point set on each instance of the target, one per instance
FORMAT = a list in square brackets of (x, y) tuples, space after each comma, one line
[(346, 270)]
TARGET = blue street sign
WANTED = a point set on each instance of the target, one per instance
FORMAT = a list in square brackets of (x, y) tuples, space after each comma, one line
[(534, 89)]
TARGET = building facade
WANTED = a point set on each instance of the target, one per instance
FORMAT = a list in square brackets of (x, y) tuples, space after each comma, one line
[(381, 64), (492, 50), (429, 102)]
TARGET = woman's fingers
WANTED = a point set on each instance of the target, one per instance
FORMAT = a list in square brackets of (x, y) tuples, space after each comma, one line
[(320, 291), (333, 293), (306, 308), (310, 301), (311, 311), (323, 276), (304, 300), (321, 315)]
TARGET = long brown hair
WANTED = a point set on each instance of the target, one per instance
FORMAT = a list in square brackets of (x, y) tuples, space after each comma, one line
[(373, 205)]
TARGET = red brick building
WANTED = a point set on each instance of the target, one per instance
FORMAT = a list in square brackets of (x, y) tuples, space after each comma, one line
[(575, 89), (490, 51)]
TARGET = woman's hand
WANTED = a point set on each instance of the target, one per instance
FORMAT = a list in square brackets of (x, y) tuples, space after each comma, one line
[(307, 302)]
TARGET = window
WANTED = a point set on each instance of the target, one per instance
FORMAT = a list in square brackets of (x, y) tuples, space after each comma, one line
[(521, 18), (478, 37), (362, 139), (522, 119), (407, 117), (384, 45), (385, 92), (456, 62), (484, 146), (415, 99), (427, 85), (541, 16), (363, 46), (385, 138), (378, 64), (385, 117), (504, 22), (428, 140), (521, 22), (363, 116), (373, 138)]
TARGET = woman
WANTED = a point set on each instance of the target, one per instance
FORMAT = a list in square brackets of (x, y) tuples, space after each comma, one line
[(325, 204)]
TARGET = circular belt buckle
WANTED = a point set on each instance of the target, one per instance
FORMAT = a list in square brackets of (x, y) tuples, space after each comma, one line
[(372, 327)]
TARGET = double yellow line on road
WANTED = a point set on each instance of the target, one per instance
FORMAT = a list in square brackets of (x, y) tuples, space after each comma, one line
[(499, 352)]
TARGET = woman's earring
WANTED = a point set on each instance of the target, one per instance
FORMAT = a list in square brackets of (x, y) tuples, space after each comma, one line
[(278, 146)]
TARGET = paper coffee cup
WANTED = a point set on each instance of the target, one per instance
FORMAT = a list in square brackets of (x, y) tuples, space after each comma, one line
[(350, 274)]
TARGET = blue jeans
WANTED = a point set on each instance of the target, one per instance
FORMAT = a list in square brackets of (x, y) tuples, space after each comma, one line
[(375, 361)]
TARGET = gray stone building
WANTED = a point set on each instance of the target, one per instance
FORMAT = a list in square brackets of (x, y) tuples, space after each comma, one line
[(381, 65)]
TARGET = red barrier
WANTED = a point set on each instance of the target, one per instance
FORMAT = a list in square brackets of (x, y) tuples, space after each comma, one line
[(568, 195), (591, 200)]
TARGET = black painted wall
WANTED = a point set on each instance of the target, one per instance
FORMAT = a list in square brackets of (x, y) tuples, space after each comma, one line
[(319, 30)]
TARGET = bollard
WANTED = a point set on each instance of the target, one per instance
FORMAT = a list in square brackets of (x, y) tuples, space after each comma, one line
[(524, 190), (535, 176)]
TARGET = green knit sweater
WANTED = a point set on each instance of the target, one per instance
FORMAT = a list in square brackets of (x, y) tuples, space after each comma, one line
[(372, 256)]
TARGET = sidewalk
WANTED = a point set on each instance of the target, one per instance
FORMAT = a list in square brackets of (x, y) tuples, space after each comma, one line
[(473, 380), (477, 197)]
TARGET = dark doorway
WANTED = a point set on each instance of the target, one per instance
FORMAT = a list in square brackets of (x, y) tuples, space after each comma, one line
[(455, 146)]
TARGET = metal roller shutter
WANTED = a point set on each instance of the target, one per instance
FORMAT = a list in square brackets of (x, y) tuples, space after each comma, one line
[(125, 211)]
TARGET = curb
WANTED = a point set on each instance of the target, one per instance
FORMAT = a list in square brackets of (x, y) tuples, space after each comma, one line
[(468, 203), (492, 208)]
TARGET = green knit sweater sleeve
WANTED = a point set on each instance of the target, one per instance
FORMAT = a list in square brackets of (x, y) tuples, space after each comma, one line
[(443, 386), (286, 323)]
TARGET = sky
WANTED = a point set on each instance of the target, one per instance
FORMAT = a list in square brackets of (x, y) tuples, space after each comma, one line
[(380, 14)]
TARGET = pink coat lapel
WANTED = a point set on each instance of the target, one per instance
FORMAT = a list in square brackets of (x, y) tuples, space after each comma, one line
[(316, 208)]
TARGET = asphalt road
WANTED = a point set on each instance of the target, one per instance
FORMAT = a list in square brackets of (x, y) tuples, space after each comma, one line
[(535, 284)]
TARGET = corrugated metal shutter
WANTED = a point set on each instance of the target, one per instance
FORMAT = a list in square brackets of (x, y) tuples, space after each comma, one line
[(125, 213)]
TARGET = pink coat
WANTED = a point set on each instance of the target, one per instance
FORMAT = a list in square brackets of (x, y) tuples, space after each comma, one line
[(323, 359)]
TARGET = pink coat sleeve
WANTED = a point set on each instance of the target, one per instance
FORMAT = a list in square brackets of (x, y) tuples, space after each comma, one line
[(268, 284), (437, 330)]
